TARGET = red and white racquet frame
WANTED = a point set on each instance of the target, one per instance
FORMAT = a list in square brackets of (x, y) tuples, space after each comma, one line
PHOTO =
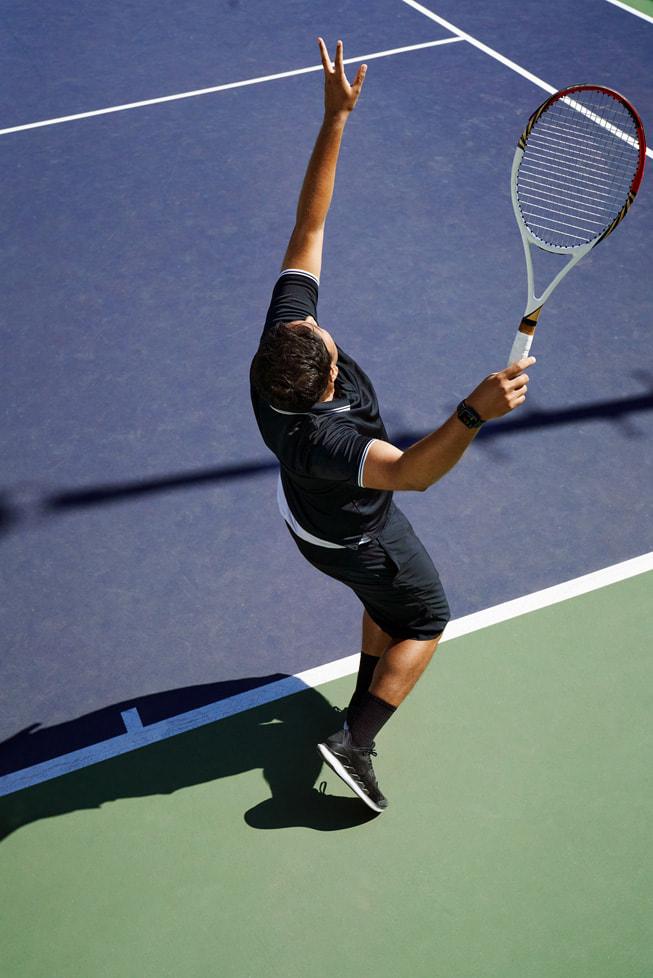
[(576, 170)]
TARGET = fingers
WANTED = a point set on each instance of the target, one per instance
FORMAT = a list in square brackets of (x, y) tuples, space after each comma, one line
[(339, 96), (502, 392), (513, 376), (519, 366), (330, 68), (517, 380), (359, 79), (324, 55), (337, 67), (340, 61)]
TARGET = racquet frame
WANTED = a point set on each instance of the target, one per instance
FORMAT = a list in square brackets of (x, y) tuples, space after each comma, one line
[(534, 304)]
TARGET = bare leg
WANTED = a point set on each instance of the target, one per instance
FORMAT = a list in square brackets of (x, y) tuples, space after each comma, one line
[(401, 663), (375, 641), (399, 668), (391, 668)]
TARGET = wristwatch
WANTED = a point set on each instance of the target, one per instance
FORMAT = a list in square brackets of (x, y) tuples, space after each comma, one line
[(468, 416)]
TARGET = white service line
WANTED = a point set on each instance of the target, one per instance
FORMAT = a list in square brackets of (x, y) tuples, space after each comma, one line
[(221, 88), (482, 47), (141, 736)]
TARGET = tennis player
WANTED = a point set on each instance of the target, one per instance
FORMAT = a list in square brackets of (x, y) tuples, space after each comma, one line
[(318, 413)]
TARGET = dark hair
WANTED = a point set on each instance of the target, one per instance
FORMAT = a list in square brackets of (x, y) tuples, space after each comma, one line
[(291, 367)]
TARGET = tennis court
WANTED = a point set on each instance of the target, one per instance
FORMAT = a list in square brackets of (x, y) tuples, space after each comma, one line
[(168, 662)]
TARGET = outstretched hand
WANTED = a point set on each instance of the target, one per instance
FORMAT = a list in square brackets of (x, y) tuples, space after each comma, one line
[(339, 95), (501, 392)]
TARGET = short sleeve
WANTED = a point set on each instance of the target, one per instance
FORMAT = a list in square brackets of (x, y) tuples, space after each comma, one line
[(294, 297), (339, 454)]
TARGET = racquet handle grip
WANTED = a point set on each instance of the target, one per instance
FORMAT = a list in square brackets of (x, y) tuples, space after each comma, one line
[(520, 347)]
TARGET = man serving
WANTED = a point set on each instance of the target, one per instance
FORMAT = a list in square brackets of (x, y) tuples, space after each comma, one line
[(318, 412)]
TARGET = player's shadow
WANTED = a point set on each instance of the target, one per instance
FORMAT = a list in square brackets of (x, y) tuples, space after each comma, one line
[(278, 738), (24, 507), (617, 411)]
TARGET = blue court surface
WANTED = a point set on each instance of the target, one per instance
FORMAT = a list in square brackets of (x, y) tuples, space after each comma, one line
[(151, 162)]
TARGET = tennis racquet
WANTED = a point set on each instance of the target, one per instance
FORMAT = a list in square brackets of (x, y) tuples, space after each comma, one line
[(577, 168)]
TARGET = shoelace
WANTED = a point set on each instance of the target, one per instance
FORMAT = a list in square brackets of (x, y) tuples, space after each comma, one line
[(365, 750)]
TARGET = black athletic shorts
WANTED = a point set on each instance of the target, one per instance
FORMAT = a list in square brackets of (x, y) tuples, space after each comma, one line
[(393, 576)]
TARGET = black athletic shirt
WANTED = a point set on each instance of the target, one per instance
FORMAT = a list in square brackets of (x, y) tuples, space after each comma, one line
[(322, 452)]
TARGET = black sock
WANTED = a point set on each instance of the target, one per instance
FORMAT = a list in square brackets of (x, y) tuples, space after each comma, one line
[(368, 719), (366, 668)]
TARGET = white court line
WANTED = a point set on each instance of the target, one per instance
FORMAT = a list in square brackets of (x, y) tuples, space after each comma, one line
[(631, 10), (482, 47), (221, 88), (459, 35), (139, 736), (495, 54)]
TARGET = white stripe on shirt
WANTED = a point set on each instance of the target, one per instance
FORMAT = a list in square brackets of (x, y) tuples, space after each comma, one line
[(300, 271), (285, 511), (299, 530)]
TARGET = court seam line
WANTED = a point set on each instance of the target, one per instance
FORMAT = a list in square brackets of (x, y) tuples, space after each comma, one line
[(227, 86), (138, 736)]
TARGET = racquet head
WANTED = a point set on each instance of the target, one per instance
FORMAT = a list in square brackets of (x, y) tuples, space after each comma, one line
[(578, 166)]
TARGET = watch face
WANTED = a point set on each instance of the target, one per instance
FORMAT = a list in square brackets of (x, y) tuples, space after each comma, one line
[(469, 417)]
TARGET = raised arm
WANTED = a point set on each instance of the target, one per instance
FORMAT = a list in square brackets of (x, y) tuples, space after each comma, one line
[(305, 247), (387, 467)]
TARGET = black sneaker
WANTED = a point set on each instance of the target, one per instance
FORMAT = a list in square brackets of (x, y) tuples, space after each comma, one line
[(354, 766)]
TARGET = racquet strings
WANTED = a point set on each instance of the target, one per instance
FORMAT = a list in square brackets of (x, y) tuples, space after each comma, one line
[(577, 170)]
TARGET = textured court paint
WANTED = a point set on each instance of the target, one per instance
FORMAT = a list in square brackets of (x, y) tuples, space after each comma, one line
[(517, 843)]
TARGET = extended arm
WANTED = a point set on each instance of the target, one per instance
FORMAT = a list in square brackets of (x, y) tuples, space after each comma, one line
[(305, 247), (387, 467)]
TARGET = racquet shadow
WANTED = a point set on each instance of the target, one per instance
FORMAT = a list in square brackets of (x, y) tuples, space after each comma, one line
[(16, 508), (279, 738)]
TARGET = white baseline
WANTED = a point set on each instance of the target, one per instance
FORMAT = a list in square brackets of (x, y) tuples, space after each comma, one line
[(137, 735)]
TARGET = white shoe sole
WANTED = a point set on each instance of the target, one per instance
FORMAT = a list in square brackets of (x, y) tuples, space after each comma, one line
[(342, 773)]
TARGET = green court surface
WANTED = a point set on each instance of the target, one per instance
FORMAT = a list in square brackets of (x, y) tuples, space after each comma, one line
[(518, 842), (644, 6)]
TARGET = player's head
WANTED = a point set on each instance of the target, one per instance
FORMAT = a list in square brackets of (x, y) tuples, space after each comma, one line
[(293, 366)]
